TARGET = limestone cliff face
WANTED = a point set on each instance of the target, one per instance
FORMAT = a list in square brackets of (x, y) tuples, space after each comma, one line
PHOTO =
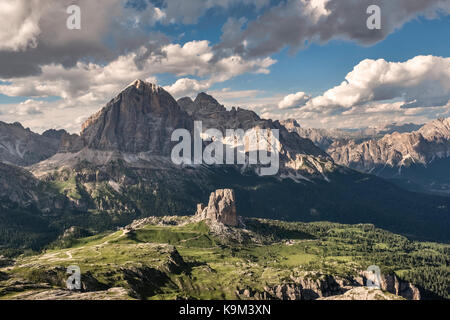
[(392, 284), (363, 293), (140, 119), (221, 208), (327, 287), (396, 150)]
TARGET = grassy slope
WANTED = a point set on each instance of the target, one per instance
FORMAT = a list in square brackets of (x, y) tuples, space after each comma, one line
[(214, 269)]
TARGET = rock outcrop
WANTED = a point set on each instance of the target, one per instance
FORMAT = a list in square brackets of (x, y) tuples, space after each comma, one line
[(363, 293), (221, 208), (327, 287), (59, 294), (70, 143), (4, 262), (392, 284)]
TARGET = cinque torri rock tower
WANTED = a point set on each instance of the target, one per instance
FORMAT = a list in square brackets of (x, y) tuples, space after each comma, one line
[(221, 208)]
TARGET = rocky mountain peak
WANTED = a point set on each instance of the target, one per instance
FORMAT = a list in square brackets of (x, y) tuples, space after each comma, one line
[(141, 85), (18, 125), (206, 102), (437, 129), (54, 134), (140, 119), (296, 153), (221, 208), (203, 105), (203, 97), (403, 156), (185, 100), (290, 124)]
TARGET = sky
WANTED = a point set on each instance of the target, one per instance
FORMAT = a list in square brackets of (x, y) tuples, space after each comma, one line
[(315, 61)]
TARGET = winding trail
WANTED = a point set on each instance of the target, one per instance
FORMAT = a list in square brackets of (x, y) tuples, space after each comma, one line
[(53, 257)]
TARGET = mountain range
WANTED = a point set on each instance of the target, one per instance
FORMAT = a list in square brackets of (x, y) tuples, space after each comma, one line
[(418, 160), (119, 169), (324, 138), (20, 146)]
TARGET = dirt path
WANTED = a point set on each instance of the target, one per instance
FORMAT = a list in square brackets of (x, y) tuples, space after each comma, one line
[(52, 257)]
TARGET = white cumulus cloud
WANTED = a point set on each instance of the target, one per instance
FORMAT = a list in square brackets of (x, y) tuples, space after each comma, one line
[(419, 82), (294, 100)]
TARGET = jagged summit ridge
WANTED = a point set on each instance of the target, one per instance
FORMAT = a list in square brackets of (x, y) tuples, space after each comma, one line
[(139, 122), (299, 157), (140, 84), (206, 100), (204, 104)]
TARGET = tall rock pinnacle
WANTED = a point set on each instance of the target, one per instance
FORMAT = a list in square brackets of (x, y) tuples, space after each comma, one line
[(221, 208)]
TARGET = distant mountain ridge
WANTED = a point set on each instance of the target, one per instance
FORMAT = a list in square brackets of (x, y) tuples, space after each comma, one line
[(418, 160), (430, 142), (324, 138), (299, 156), (22, 147)]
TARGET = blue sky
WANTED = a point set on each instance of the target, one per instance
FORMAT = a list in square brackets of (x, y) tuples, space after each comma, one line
[(319, 67), (56, 77)]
